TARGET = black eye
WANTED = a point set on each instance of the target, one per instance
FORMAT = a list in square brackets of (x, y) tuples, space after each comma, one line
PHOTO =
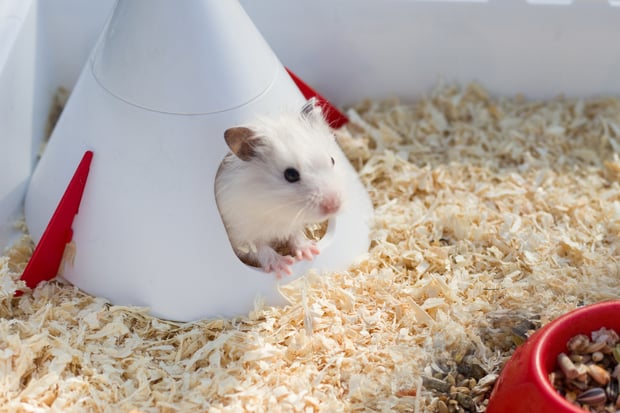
[(333, 162), (291, 175)]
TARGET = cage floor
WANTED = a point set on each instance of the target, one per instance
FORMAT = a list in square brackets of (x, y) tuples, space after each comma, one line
[(493, 216)]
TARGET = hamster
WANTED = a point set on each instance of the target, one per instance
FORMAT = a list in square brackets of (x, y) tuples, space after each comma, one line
[(280, 175)]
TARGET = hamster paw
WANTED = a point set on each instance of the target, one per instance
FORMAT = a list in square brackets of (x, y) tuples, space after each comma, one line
[(271, 261), (281, 266), (303, 249)]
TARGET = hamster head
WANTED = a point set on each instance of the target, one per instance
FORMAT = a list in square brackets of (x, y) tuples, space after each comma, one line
[(290, 167)]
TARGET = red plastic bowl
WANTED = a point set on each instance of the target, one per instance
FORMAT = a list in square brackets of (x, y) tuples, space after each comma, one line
[(523, 385)]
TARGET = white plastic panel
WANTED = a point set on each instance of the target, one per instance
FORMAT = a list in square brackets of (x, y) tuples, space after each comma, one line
[(356, 49), (17, 90), (43, 45)]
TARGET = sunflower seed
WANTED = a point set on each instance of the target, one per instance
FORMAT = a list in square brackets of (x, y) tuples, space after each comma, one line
[(612, 390), (592, 397)]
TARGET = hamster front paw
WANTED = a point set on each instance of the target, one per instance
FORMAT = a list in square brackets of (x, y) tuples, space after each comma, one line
[(271, 261), (302, 248)]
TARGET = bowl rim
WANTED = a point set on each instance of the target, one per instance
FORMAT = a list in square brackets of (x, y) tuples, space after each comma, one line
[(548, 338)]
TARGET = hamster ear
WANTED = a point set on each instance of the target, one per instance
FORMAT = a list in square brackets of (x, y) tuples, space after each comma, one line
[(311, 110), (242, 142)]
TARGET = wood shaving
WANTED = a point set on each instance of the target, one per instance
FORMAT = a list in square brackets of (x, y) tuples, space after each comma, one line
[(58, 104), (493, 216)]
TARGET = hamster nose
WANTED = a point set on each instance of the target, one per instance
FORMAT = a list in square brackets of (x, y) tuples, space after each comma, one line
[(330, 204)]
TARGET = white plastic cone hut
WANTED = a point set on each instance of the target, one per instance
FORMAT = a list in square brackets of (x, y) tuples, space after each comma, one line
[(164, 82)]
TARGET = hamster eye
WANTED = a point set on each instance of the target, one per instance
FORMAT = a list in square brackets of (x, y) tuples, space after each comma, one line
[(333, 162), (291, 175)]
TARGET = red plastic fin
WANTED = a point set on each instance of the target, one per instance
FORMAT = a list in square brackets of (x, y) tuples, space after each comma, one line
[(333, 116), (47, 256)]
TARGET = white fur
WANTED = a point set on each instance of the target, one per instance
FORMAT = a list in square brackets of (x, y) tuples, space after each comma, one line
[(257, 204)]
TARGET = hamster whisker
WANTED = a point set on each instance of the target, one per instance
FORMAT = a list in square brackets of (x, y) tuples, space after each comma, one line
[(298, 214), (283, 206)]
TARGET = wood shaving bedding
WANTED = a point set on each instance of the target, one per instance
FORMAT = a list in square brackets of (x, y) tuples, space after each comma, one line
[(493, 216)]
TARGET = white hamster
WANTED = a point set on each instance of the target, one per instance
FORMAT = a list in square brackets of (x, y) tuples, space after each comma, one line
[(281, 175)]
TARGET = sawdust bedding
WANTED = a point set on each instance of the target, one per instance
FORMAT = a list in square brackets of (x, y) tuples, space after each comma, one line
[(493, 216)]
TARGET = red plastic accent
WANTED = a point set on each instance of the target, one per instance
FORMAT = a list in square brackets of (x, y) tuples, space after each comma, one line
[(523, 385), (47, 256), (333, 116)]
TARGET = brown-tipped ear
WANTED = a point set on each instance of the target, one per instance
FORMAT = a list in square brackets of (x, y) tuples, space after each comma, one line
[(242, 142)]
